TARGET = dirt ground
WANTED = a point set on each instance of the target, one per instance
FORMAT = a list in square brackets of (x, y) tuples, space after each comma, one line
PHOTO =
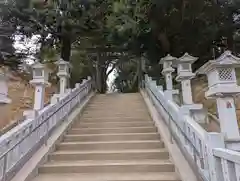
[(199, 87), (22, 95)]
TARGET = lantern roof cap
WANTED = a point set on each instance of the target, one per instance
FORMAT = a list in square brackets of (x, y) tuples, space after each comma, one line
[(38, 65), (187, 58), (3, 76), (227, 60), (62, 62), (167, 58)]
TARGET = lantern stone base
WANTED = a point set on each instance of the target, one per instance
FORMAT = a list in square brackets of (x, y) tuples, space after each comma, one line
[(160, 87), (171, 93), (196, 111), (30, 114), (68, 91), (219, 91), (5, 100), (176, 96), (185, 76), (233, 144), (55, 98)]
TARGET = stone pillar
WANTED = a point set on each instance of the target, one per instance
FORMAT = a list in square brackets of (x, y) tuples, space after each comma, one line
[(167, 72), (63, 74), (187, 91), (222, 86), (40, 82), (4, 90), (185, 74)]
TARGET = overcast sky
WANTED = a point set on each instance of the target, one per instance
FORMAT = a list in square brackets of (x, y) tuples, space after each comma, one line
[(27, 45)]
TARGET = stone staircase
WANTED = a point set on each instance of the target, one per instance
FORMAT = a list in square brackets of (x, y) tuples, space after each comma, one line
[(115, 140)]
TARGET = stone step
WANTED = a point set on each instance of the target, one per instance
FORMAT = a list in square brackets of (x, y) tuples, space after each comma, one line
[(114, 116), (138, 108), (109, 155), (153, 176), (114, 145), (114, 140), (112, 137), (119, 113), (113, 125), (120, 108), (109, 103), (88, 119), (117, 110), (121, 100), (113, 130), (107, 166)]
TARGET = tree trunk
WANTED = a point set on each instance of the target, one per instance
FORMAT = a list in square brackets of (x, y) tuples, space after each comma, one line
[(136, 77), (162, 37), (66, 48), (101, 77)]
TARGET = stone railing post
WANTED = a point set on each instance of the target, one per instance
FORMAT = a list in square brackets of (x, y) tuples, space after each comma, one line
[(185, 74), (213, 140), (4, 99), (40, 82), (222, 86), (63, 74), (89, 78), (167, 72)]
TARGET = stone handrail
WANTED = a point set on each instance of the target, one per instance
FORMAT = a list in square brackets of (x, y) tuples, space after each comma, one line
[(228, 164), (21, 142), (205, 150)]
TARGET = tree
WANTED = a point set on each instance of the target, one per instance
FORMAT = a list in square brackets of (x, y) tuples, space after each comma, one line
[(154, 27), (57, 22), (60, 24), (158, 27), (176, 26), (128, 74)]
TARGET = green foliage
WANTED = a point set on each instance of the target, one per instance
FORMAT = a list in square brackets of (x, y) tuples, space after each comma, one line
[(81, 67), (57, 22), (172, 26), (126, 80), (158, 27), (154, 27)]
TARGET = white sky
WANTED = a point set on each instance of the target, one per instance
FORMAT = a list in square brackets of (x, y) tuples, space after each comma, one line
[(27, 45), (30, 45)]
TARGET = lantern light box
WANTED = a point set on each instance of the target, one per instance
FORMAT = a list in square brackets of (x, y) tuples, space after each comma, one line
[(221, 75)]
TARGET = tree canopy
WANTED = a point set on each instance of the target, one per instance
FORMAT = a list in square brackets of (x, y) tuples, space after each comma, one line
[(117, 33)]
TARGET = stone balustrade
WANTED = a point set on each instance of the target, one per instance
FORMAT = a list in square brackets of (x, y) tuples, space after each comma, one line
[(4, 99), (21, 142), (227, 164), (214, 154)]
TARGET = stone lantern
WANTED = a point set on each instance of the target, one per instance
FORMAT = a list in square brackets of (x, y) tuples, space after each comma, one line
[(185, 74), (39, 81), (167, 72), (4, 90), (63, 74), (222, 86)]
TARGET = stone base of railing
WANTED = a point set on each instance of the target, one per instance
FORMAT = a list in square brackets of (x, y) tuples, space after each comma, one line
[(171, 93), (4, 99), (233, 144), (30, 114), (55, 98), (196, 111)]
